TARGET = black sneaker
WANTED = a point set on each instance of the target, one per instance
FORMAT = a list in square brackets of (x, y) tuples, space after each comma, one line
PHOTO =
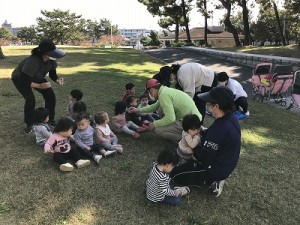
[(216, 188), (28, 129)]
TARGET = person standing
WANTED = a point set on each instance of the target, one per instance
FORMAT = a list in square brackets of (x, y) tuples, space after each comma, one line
[(194, 78), (30, 74), (175, 105)]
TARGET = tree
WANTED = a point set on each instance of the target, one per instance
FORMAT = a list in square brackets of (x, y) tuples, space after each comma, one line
[(4, 35), (243, 4), (202, 5), (154, 39), (108, 28), (93, 30), (272, 4), (185, 9), (145, 40), (60, 26), (28, 35)]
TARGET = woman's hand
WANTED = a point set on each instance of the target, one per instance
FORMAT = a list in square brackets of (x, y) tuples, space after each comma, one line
[(60, 81)]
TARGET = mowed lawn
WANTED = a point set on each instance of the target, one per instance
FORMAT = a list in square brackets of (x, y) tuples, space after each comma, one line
[(264, 188)]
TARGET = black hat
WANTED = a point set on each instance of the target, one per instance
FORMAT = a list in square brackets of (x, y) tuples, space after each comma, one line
[(222, 77), (47, 47), (221, 95)]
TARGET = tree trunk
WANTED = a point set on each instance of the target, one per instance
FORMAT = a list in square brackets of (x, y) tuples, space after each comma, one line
[(205, 24), (278, 23), (247, 34), (186, 22), (176, 30), (2, 56), (227, 5)]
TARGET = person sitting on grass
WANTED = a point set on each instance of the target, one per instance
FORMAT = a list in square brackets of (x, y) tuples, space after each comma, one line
[(75, 96), (41, 128), (190, 136), (144, 102), (104, 135), (130, 91), (119, 121), (58, 144), (158, 184), (133, 116)]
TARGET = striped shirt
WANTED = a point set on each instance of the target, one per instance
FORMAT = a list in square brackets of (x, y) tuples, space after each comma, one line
[(158, 185)]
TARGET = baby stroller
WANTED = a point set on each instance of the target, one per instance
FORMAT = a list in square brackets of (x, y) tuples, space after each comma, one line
[(260, 77), (295, 101), (276, 88)]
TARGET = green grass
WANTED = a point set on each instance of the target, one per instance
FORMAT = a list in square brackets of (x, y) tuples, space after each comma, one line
[(262, 190)]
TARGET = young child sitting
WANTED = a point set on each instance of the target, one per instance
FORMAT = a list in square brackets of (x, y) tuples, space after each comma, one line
[(40, 127), (75, 96), (119, 121), (158, 184), (84, 138), (190, 136), (59, 145), (133, 116), (104, 135), (130, 91), (144, 101)]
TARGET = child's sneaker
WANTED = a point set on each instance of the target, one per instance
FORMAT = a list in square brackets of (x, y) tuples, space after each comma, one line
[(135, 135), (118, 148), (184, 190), (216, 187), (109, 153), (97, 158), (82, 163), (66, 167)]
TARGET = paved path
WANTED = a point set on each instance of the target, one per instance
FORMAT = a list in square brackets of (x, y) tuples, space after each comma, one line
[(175, 55)]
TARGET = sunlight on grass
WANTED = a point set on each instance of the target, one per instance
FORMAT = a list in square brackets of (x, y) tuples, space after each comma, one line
[(84, 215), (257, 136)]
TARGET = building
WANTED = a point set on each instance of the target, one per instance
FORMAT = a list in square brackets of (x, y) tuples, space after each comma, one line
[(216, 37), (8, 26), (134, 33)]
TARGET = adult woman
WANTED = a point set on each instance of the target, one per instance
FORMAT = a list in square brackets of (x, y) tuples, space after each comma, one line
[(218, 153), (30, 74)]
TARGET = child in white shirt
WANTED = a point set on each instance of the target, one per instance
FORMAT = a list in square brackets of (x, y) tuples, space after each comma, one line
[(41, 129)]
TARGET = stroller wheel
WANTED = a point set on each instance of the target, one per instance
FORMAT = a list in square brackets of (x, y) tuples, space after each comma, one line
[(258, 98), (278, 100), (283, 103)]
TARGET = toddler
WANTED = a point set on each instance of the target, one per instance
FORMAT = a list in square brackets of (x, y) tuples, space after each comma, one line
[(119, 121), (40, 127), (130, 91), (190, 136), (75, 96), (84, 138), (133, 116), (144, 101), (104, 135), (59, 145), (158, 184)]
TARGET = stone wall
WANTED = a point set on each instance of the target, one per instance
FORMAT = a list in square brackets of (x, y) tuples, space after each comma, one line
[(249, 60)]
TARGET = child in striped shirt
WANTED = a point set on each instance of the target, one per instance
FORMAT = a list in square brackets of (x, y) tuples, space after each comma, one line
[(158, 184)]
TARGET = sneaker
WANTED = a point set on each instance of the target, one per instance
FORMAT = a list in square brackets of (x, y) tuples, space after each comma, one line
[(66, 167), (247, 113), (82, 163), (135, 135), (216, 187), (97, 158), (118, 148), (109, 153), (184, 190), (28, 129)]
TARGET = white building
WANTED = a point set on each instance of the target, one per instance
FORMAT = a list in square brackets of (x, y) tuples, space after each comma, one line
[(134, 33)]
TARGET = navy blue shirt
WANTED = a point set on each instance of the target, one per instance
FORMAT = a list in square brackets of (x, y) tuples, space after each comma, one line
[(220, 147)]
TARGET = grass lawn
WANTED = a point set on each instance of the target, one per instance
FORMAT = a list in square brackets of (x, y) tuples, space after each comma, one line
[(262, 190)]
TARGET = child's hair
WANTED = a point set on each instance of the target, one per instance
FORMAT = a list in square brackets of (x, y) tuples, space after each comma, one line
[(77, 94), (129, 86), (63, 124), (120, 107), (130, 99), (40, 114), (168, 157), (79, 107), (191, 121), (100, 117), (144, 96), (81, 116)]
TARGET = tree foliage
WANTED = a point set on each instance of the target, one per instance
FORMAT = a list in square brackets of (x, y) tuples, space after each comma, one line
[(154, 40), (4, 35), (28, 35)]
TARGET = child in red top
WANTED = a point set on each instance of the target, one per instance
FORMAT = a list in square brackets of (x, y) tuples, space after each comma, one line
[(130, 91)]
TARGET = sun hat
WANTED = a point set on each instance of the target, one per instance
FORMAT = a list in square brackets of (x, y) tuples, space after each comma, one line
[(221, 95), (152, 83), (47, 47)]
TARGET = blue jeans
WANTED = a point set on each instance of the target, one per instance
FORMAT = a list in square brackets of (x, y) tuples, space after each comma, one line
[(171, 200)]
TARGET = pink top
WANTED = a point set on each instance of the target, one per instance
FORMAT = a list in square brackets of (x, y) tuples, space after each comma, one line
[(103, 134), (119, 121), (57, 143), (127, 94)]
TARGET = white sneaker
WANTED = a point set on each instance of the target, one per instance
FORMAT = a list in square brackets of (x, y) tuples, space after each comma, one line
[(184, 190), (216, 188), (66, 167), (247, 113), (97, 158), (109, 152), (82, 163), (118, 148)]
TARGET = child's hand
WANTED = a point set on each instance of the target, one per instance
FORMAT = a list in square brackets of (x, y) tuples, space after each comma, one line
[(178, 192), (88, 148)]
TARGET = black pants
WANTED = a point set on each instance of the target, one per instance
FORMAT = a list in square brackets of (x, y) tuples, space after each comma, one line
[(241, 102), (26, 91), (95, 150), (62, 158), (192, 173)]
